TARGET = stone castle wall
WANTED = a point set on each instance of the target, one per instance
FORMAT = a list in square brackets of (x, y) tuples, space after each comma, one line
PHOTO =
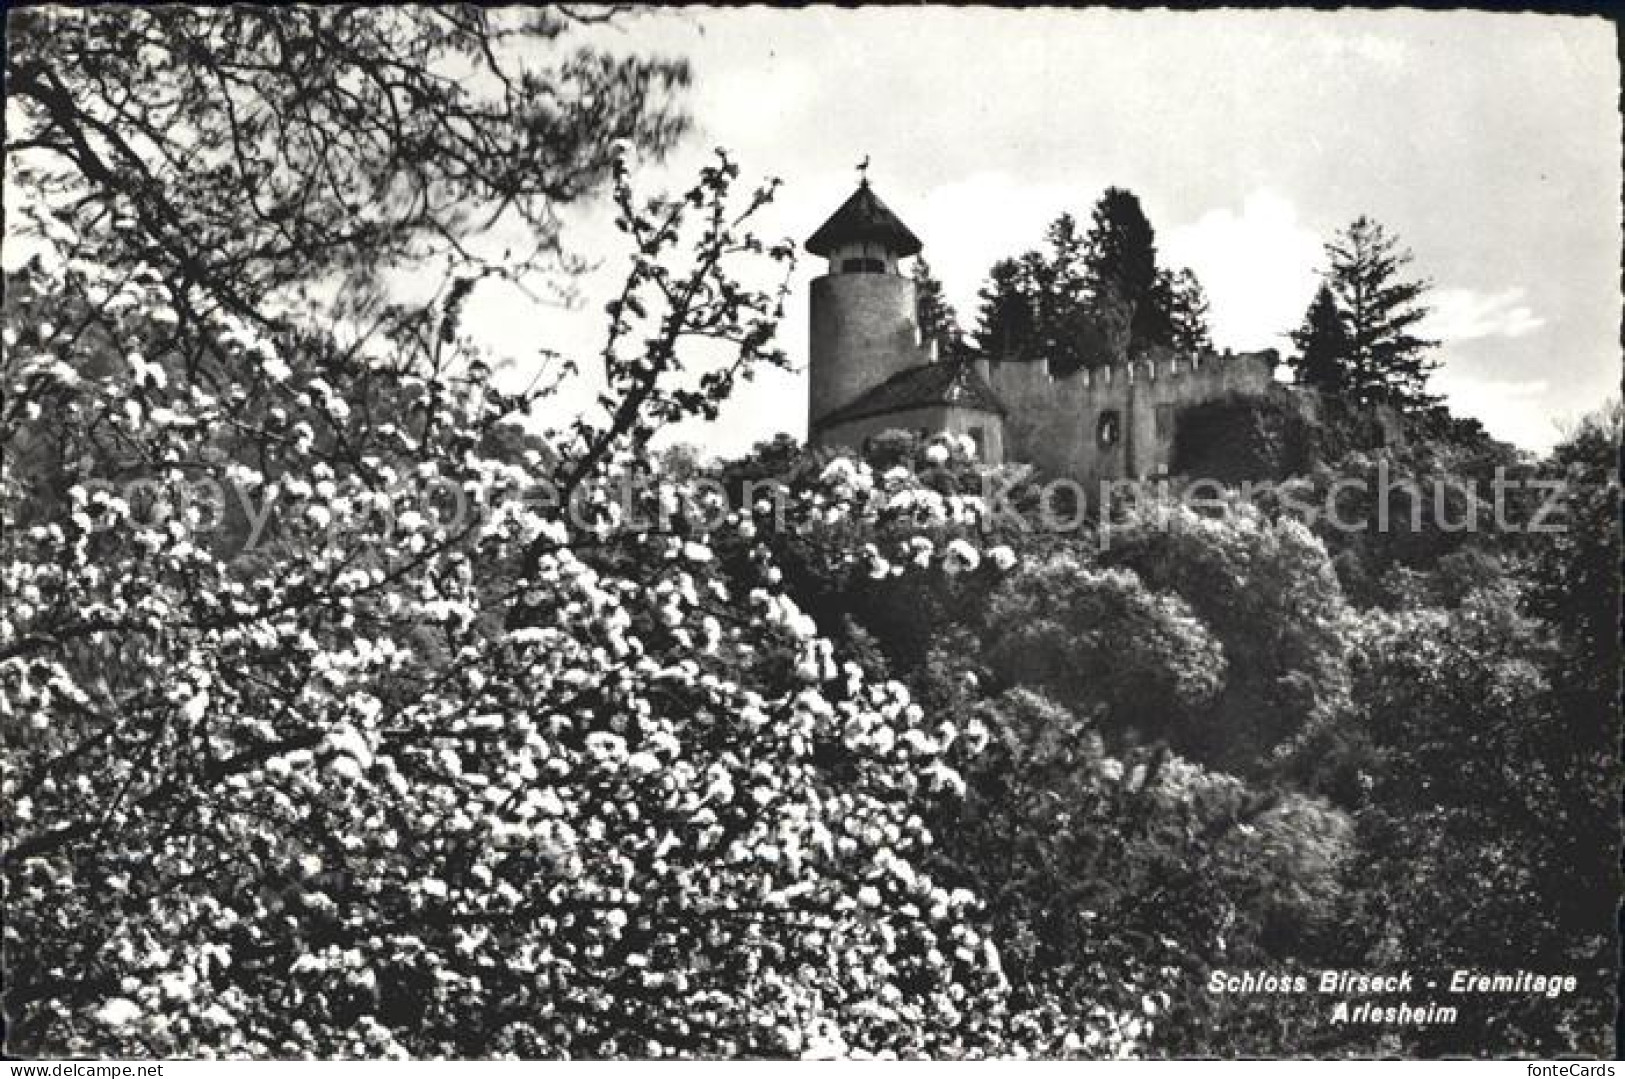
[(1056, 423)]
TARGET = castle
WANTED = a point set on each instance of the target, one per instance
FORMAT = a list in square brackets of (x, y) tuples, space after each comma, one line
[(871, 370)]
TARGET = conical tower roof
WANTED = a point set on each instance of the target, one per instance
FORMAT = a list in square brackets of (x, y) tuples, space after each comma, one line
[(863, 218)]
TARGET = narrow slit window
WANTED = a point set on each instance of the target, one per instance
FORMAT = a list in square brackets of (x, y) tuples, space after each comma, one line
[(1108, 429)]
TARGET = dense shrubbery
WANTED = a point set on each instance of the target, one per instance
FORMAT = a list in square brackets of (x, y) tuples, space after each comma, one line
[(1191, 722), (1284, 433), (1245, 437), (842, 767)]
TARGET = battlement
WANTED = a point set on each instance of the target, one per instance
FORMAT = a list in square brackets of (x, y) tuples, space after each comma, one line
[(1116, 420), (1163, 365)]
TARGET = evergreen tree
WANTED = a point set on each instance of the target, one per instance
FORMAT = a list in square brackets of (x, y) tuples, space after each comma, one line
[(1187, 310), (1121, 250), (1323, 345), (1041, 306), (1007, 318), (1381, 309), (937, 318), (1067, 264), (1087, 297)]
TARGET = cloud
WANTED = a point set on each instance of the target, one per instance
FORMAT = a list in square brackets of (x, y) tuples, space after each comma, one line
[(1257, 264), (1516, 410), (1461, 314), (969, 224)]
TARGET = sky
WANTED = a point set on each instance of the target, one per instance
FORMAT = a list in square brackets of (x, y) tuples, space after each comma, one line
[(1489, 143)]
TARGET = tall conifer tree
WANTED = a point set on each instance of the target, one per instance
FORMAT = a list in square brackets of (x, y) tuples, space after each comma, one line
[(1187, 310), (937, 318), (1121, 250), (1382, 310), (1323, 345)]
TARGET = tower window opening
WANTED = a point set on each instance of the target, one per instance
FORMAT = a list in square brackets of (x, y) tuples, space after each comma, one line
[(1108, 429), (863, 265)]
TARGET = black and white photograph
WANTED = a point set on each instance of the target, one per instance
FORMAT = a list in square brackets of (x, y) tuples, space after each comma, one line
[(618, 532)]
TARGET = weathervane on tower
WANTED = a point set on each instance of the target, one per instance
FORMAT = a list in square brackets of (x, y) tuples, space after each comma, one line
[(863, 171)]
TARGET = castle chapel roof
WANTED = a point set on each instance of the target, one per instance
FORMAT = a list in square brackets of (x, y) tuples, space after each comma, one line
[(929, 385), (863, 218)]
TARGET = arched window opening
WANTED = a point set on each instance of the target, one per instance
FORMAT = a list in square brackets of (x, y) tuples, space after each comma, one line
[(1108, 429)]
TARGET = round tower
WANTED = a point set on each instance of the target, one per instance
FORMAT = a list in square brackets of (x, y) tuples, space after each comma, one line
[(864, 326)]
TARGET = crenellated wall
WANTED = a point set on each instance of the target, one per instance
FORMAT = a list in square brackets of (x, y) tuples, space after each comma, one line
[(1055, 423)]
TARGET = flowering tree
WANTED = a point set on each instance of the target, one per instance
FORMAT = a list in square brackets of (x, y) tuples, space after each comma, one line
[(343, 717), (245, 152)]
